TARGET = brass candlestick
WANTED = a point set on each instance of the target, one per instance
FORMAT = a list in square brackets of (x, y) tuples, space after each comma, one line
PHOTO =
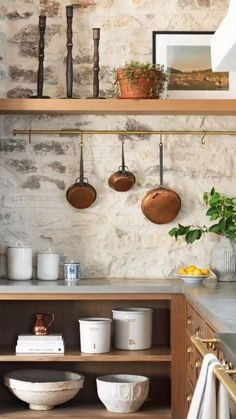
[(40, 78)]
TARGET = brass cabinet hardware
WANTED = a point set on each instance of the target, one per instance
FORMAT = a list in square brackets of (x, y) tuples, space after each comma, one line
[(221, 373), (189, 320)]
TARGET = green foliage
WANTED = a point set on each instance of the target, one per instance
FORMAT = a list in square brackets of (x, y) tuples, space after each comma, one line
[(220, 208), (133, 70)]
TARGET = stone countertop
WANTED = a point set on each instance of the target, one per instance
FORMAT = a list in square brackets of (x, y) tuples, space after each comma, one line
[(98, 286), (215, 300)]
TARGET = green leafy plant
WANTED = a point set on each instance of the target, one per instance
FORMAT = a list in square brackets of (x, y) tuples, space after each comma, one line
[(222, 209), (132, 71)]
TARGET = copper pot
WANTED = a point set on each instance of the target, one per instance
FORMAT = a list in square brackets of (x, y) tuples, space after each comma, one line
[(81, 194), (122, 180), (161, 205)]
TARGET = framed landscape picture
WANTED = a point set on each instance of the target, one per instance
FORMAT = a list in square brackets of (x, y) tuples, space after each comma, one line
[(186, 56)]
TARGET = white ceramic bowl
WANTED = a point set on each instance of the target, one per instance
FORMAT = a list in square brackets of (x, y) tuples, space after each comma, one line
[(122, 393), (192, 279), (43, 389)]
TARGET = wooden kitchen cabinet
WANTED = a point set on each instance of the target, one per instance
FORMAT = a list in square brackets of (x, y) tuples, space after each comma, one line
[(163, 363), (195, 325)]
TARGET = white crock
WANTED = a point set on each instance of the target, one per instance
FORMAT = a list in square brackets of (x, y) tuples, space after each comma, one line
[(19, 262), (133, 328), (95, 335), (48, 266)]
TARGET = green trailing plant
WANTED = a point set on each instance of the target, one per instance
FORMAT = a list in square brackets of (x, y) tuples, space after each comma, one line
[(221, 209), (133, 70)]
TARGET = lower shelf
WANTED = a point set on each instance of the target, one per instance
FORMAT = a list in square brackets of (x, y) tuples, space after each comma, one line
[(88, 411)]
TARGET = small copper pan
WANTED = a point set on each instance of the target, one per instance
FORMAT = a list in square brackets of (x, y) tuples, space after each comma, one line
[(161, 205), (81, 194), (122, 180)]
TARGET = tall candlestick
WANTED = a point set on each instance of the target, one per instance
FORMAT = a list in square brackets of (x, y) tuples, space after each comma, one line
[(96, 38), (41, 55), (69, 61)]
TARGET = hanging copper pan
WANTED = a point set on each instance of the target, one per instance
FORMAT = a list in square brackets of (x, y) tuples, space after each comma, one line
[(81, 194), (161, 205), (122, 180)]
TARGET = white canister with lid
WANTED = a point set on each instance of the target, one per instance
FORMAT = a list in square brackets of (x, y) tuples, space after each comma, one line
[(132, 328), (48, 265), (19, 262), (95, 335)]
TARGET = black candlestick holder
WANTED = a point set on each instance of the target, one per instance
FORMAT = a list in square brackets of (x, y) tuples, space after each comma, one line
[(69, 60), (96, 68), (41, 55)]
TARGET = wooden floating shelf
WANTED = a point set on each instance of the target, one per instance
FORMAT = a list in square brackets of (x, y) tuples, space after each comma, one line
[(156, 354), (119, 106), (88, 411)]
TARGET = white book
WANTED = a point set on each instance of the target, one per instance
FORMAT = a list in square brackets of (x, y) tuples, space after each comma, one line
[(47, 349), (44, 338), (41, 344)]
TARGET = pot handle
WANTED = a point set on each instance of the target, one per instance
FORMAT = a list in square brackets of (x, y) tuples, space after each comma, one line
[(123, 155), (161, 160), (81, 159), (78, 180), (124, 168)]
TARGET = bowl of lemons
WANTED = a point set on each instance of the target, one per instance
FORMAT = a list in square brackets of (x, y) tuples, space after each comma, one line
[(192, 273)]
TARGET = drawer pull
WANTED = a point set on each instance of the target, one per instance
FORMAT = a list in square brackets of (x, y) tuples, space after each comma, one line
[(198, 331), (189, 349), (189, 398), (198, 364), (189, 320)]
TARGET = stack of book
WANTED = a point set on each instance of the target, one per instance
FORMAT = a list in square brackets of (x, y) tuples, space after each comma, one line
[(45, 344)]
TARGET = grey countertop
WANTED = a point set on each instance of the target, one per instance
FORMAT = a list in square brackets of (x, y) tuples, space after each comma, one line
[(215, 300)]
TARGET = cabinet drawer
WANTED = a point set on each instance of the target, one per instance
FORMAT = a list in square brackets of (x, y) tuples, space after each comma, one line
[(190, 319), (210, 334), (199, 325)]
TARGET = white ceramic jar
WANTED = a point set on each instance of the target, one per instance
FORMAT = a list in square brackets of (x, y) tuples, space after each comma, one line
[(19, 262), (95, 335), (48, 266), (132, 328)]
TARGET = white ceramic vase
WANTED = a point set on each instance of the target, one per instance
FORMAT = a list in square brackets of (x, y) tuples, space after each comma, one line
[(223, 260)]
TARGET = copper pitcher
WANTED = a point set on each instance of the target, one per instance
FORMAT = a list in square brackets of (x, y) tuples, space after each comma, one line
[(42, 323)]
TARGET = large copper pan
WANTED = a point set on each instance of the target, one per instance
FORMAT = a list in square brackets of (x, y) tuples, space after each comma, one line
[(81, 194), (161, 205)]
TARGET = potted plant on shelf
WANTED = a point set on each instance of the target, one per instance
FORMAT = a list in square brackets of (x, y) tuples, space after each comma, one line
[(137, 80), (223, 256)]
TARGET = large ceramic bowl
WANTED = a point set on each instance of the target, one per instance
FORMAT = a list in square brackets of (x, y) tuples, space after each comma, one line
[(43, 389), (122, 393)]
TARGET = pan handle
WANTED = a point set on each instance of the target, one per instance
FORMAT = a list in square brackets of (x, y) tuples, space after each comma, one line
[(161, 160), (81, 177), (78, 180)]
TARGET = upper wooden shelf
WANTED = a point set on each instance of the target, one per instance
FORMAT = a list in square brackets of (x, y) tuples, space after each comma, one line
[(118, 106)]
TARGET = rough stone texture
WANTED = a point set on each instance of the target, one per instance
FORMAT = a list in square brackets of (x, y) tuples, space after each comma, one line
[(49, 8), (112, 238)]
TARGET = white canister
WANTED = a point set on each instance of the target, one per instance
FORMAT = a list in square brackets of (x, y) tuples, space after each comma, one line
[(95, 335), (19, 262), (48, 266), (132, 328)]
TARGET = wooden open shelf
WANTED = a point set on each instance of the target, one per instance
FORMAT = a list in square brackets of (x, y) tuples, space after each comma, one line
[(156, 354), (119, 106), (88, 411)]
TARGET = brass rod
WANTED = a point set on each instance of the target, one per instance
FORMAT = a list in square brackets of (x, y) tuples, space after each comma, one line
[(219, 371), (116, 132)]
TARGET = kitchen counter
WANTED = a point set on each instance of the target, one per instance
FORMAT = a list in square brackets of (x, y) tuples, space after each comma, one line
[(215, 300)]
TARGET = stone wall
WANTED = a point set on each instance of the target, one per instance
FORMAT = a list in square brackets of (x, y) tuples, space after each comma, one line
[(112, 238)]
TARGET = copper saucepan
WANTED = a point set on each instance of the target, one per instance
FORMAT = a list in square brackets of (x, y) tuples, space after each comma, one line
[(81, 194), (161, 205), (122, 180)]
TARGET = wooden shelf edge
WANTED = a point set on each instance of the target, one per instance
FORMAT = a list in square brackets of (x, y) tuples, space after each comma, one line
[(72, 354), (119, 106), (88, 411)]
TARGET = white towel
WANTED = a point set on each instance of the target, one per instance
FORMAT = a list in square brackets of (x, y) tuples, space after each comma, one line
[(204, 404)]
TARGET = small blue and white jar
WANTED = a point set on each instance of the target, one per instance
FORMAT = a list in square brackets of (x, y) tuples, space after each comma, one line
[(72, 271)]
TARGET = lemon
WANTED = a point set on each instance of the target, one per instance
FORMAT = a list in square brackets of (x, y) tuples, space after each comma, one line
[(205, 271), (191, 267), (182, 271), (197, 272)]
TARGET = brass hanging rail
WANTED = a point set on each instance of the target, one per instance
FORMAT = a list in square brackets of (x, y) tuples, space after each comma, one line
[(220, 372), (31, 132)]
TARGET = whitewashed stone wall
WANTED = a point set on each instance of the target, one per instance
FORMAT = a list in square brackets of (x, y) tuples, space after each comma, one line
[(112, 238)]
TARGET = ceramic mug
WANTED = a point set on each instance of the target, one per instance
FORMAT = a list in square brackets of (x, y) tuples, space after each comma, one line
[(19, 262), (48, 266)]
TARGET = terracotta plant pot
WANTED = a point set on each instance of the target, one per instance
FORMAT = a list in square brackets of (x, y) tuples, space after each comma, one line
[(141, 86)]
